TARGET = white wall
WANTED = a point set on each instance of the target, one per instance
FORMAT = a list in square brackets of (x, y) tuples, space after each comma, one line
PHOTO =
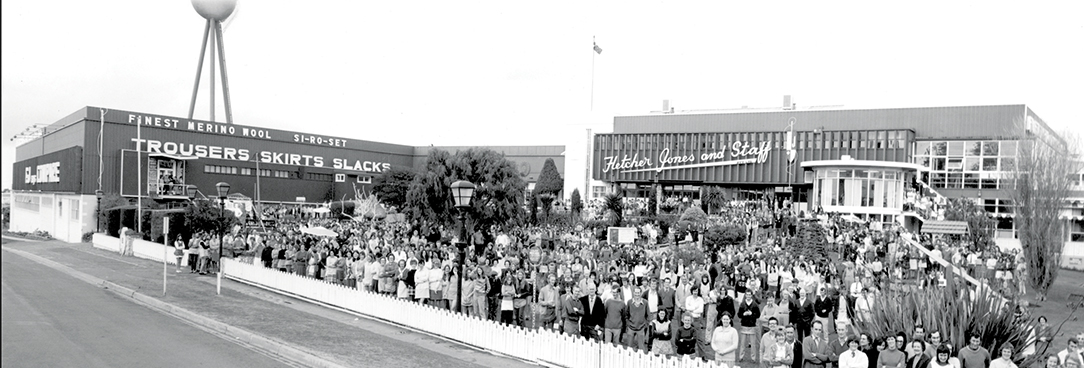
[(54, 215)]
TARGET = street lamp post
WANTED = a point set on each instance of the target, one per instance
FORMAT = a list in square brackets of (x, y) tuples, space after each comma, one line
[(98, 211), (223, 191), (462, 191)]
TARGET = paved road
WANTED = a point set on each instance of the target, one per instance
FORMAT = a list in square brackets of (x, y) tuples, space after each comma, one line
[(53, 320)]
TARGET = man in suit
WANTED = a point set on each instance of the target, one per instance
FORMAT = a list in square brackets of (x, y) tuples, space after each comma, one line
[(815, 348), (594, 314), (569, 311), (801, 313)]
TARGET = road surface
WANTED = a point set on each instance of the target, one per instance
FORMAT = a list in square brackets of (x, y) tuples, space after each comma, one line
[(51, 319)]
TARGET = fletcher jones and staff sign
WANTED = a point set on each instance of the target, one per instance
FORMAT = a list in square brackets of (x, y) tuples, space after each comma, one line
[(739, 153)]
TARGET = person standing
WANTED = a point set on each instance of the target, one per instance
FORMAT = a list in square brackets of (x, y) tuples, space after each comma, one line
[(547, 300), (570, 311), (637, 316), (919, 359), (852, 357), (613, 322), (801, 313), (519, 302), (974, 355), (814, 348), (780, 353), (1072, 348), (724, 341), (594, 315), (749, 339), (890, 357), (660, 334), (684, 336)]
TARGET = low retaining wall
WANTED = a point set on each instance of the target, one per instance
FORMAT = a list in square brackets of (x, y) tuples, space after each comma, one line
[(138, 248)]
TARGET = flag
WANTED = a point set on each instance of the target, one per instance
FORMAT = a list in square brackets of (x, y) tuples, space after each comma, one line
[(598, 49)]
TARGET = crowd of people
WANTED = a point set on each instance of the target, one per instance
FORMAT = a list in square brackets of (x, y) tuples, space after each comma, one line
[(749, 302)]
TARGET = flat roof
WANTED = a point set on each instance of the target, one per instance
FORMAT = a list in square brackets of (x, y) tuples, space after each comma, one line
[(864, 163)]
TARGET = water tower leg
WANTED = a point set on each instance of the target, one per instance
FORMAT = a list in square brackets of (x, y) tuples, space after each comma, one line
[(222, 65), (213, 30), (199, 69)]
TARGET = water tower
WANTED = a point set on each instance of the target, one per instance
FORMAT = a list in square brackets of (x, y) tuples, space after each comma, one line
[(215, 11)]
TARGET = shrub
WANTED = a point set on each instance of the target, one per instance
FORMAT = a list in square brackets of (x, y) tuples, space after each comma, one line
[(720, 236), (954, 310), (88, 237)]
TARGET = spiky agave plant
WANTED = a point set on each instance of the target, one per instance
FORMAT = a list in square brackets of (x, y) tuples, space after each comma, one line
[(956, 311)]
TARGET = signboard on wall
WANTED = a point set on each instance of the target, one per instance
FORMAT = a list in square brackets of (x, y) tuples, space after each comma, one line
[(60, 171)]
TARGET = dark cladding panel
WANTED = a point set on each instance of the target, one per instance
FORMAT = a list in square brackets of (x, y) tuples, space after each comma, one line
[(740, 158), (59, 171)]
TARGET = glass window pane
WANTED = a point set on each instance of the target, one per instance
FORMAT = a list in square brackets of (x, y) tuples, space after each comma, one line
[(971, 164), (939, 164), (974, 148), (1008, 164), (989, 148), (956, 148), (1008, 148), (861, 173), (940, 148), (955, 163), (989, 164)]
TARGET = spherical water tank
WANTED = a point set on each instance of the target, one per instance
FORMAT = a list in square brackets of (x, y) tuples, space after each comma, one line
[(214, 9)]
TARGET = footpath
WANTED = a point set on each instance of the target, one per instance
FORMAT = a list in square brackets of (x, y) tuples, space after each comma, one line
[(292, 329)]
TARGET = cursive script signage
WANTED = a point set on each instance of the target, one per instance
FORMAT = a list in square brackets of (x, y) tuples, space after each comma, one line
[(738, 153)]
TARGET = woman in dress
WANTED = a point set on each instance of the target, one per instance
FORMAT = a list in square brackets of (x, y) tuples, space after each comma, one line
[(724, 340), (660, 334), (508, 292), (451, 290), (331, 268)]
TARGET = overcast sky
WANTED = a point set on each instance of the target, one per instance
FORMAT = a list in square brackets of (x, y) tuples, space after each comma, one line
[(507, 72)]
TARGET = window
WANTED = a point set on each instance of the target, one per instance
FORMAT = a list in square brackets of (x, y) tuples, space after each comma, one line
[(340, 178), (940, 148), (362, 179), (989, 164), (598, 191), (922, 148), (319, 176), (971, 164), (265, 172), (75, 209), (1008, 148), (247, 171), (989, 148), (974, 148), (282, 174), (956, 148), (1008, 164), (216, 169)]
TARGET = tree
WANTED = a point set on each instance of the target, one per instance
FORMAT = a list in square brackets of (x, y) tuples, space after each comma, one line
[(392, 188), (1042, 185), (615, 205), (714, 197), (576, 202), (207, 216), (549, 180), (546, 200), (498, 195), (719, 236), (980, 226)]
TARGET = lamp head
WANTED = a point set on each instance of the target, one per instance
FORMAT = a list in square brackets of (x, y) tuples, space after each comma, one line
[(191, 191), (223, 189), (99, 193), (462, 191)]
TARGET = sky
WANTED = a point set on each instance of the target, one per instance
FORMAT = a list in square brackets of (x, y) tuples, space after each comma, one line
[(515, 73)]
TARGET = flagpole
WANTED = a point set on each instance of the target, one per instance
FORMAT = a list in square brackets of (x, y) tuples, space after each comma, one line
[(593, 52)]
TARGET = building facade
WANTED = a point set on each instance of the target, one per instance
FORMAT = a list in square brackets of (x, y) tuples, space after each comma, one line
[(846, 161), (58, 172)]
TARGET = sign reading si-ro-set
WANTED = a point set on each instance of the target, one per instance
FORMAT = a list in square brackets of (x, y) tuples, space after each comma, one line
[(739, 153), (240, 131)]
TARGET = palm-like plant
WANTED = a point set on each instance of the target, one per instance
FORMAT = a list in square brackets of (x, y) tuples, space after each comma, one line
[(615, 204)]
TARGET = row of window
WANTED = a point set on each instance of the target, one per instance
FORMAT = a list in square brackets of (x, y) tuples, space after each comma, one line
[(966, 148), (245, 171), (887, 139), (973, 164), (248, 171), (871, 174), (858, 192)]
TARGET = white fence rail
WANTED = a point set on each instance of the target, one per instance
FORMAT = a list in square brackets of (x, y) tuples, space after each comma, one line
[(538, 346), (139, 248)]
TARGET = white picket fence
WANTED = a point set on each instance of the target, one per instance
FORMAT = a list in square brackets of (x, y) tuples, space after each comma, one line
[(538, 346)]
